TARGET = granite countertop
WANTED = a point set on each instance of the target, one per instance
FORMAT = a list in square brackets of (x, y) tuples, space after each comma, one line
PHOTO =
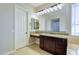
[(53, 34), (71, 39), (35, 34)]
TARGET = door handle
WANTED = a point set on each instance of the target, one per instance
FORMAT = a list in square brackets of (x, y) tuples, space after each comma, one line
[(26, 32)]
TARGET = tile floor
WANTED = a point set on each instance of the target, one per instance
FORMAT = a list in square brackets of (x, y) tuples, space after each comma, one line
[(35, 50), (31, 50)]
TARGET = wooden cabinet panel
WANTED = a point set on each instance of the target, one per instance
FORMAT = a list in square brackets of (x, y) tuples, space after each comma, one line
[(46, 44), (52, 45), (61, 51), (41, 42), (61, 43), (61, 46)]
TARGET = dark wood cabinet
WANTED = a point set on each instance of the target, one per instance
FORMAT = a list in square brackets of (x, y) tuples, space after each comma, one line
[(53, 45), (42, 42)]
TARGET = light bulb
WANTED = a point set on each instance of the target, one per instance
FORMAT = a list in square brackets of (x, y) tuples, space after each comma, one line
[(48, 10), (34, 16), (45, 11), (55, 7), (60, 6), (42, 12), (51, 9), (38, 13)]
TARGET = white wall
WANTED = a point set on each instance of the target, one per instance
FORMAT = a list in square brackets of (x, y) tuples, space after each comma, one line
[(41, 23), (6, 28), (68, 18)]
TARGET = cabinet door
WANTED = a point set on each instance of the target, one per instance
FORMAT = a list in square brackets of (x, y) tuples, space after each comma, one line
[(52, 45), (46, 44), (61, 46), (41, 42)]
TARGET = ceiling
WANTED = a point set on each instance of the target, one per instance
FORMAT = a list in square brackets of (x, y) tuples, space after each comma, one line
[(36, 4)]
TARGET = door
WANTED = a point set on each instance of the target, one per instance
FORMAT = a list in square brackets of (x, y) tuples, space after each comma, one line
[(20, 28), (52, 45)]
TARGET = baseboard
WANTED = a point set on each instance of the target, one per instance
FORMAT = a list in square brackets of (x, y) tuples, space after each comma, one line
[(7, 53)]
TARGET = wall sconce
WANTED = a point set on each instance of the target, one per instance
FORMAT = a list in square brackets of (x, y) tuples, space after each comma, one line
[(50, 9)]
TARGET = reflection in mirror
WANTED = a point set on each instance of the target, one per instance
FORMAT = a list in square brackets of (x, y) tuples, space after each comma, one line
[(55, 25), (34, 24)]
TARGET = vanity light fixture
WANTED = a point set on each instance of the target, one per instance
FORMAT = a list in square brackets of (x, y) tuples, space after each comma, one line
[(51, 9)]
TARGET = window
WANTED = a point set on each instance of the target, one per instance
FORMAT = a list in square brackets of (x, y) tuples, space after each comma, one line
[(75, 19)]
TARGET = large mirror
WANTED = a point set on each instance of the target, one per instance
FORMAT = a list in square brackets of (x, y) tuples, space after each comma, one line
[(63, 20)]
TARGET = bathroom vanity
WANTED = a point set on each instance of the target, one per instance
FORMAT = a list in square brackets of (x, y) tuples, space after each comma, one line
[(54, 45)]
